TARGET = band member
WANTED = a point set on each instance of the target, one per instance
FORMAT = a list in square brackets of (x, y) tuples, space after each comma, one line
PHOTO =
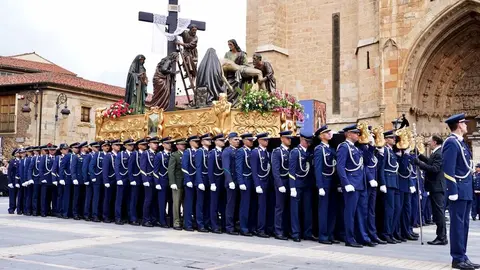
[(175, 179), (402, 215), (457, 167), (22, 182), (96, 173), (243, 169), (300, 183), (121, 175), (64, 180), (146, 168), (217, 184), (76, 165), (33, 175), (135, 176), (87, 177), (48, 190), (13, 181), (160, 172), (228, 163), (260, 161), (189, 170), (202, 184), (28, 182), (414, 199)]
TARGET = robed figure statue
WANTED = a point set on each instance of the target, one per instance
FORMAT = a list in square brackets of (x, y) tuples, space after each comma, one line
[(210, 76), (136, 89), (162, 81)]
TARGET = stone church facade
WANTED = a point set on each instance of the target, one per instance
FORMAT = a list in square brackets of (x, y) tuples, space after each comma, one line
[(374, 59)]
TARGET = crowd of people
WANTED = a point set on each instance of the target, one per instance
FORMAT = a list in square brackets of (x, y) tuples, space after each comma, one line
[(359, 194)]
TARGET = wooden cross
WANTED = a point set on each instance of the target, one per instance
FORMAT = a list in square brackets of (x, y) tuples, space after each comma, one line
[(171, 27)]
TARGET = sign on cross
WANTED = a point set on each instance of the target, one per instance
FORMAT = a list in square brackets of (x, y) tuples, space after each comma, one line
[(171, 23)]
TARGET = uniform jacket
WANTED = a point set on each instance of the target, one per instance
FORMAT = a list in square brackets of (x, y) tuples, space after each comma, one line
[(12, 172), (457, 167), (26, 169), (134, 171), (299, 164), (390, 168), (160, 168), (228, 163), (188, 166), (404, 173), (280, 157), (370, 161), (56, 168), (108, 168), (350, 166), (260, 161), (96, 168), (47, 163), (77, 167), (216, 175), (121, 167), (146, 166), (201, 177), (434, 179), (476, 182), (175, 174), (65, 172), (86, 162), (324, 164), (22, 169), (243, 166), (34, 170)]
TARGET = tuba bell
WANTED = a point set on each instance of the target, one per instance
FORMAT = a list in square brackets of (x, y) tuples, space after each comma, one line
[(379, 138), (404, 136), (364, 137), (420, 145)]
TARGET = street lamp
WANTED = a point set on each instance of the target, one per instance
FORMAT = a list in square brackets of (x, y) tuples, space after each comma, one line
[(31, 97), (61, 99)]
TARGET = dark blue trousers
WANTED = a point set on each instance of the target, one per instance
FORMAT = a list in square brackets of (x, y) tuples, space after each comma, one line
[(397, 218), (162, 204), (405, 220), (340, 224), (282, 212), (248, 210), (76, 202), (134, 190), (28, 199), (36, 194), (108, 202), (119, 202), (188, 208), (96, 202), (12, 199), (230, 210), (147, 204), (217, 205), (303, 203), (392, 202), (48, 195), (372, 202), (270, 229), (60, 189), (459, 225), (361, 216), (67, 194), (20, 199), (203, 208), (428, 209), (262, 211), (323, 216), (87, 210), (415, 212)]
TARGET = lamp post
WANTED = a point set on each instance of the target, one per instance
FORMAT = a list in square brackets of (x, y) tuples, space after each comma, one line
[(32, 97), (396, 123), (61, 99)]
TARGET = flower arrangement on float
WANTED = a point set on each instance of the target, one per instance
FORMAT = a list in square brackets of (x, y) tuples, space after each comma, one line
[(118, 109)]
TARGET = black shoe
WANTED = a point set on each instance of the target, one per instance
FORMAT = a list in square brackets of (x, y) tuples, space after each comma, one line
[(157, 224), (164, 226), (263, 235), (335, 241), (147, 224), (325, 242), (11, 212), (107, 220), (438, 242), (462, 265), (119, 222), (19, 213), (88, 219), (379, 241), (430, 223), (296, 239), (475, 265), (96, 219), (188, 229), (217, 231), (28, 214), (203, 230), (355, 245), (281, 237), (134, 223), (178, 228), (370, 244), (415, 234), (65, 217), (233, 233), (35, 215), (390, 240), (249, 234), (411, 238), (313, 238), (43, 215), (76, 218)]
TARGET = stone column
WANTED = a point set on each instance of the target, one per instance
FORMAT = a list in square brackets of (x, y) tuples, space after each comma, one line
[(475, 139)]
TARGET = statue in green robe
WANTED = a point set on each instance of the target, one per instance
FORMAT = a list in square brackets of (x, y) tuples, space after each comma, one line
[(136, 89)]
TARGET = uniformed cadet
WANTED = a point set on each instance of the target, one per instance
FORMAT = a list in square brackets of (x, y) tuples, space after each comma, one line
[(202, 184), (280, 180), (248, 200), (109, 180), (48, 190), (352, 177), (414, 198), (405, 185), (76, 168), (175, 180), (28, 182), (96, 173), (121, 176), (160, 172), (457, 167), (33, 175), (189, 170), (324, 164), (146, 168), (216, 175), (135, 176), (22, 181), (260, 161), (476, 192), (57, 207), (300, 183), (228, 163), (389, 185), (13, 181), (87, 210), (65, 178)]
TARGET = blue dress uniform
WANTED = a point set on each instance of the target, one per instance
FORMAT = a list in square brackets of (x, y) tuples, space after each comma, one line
[(87, 180), (414, 197), (96, 174), (160, 174), (22, 180), (260, 161), (78, 181), (121, 176), (203, 196), (476, 193), (12, 181), (65, 174), (28, 185), (324, 164), (110, 183), (34, 175), (228, 163), (243, 168), (146, 166), (351, 173), (457, 167), (135, 176), (57, 206), (300, 180), (402, 215), (189, 170), (216, 175), (280, 157), (48, 191)]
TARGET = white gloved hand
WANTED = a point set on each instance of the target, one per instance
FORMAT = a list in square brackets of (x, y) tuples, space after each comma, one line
[(30, 182), (17, 185), (428, 193), (189, 184), (158, 187), (11, 185), (243, 187), (339, 189), (75, 182), (259, 190), (231, 185), (381, 150), (44, 181), (62, 182), (453, 197), (174, 186), (383, 189), (24, 184), (94, 180), (107, 185), (213, 187), (371, 139), (133, 183), (373, 183), (321, 192), (408, 151), (282, 189), (421, 198), (349, 188), (146, 184), (55, 183), (201, 187), (398, 153), (293, 192), (120, 183), (412, 189), (87, 183)]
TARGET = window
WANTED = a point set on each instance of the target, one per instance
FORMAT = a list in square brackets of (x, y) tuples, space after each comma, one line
[(85, 117), (7, 114), (336, 63)]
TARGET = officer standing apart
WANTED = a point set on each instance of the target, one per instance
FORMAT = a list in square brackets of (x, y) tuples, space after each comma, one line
[(457, 167), (228, 163), (175, 180), (216, 175)]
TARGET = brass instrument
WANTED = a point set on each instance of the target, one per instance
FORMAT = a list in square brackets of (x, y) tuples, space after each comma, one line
[(364, 137), (420, 145), (404, 136), (379, 138)]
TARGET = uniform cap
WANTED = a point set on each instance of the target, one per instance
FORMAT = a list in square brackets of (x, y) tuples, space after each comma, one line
[(456, 118), (128, 141), (263, 136), (351, 128), (218, 137), (322, 130)]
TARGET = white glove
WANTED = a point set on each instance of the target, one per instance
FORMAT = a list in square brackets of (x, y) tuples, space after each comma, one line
[(174, 187), (55, 183), (339, 189), (381, 150), (11, 185), (30, 182), (408, 151), (453, 197), (412, 189), (146, 184), (158, 187), (213, 187), (293, 192), (44, 181), (321, 192), (24, 184), (75, 182), (259, 190), (201, 187), (133, 183), (373, 183), (231, 185), (428, 193), (107, 185), (62, 182), (120, 183), (94, 180), (282, 189), (383, 189), (189, 184), (243, 187), (398, 153), (87, 183), (349, 188), (421, 198), (371, 139)]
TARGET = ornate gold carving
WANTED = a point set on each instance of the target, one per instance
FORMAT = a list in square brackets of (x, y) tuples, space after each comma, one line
[(364, 137), (154, 121), (98, 121), (255, 122), (222, 109), (189, 122)]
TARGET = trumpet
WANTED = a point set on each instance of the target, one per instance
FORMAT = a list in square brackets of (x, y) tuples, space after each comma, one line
[(379, 138), (420, 145), (364, 137), (404, 136)]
